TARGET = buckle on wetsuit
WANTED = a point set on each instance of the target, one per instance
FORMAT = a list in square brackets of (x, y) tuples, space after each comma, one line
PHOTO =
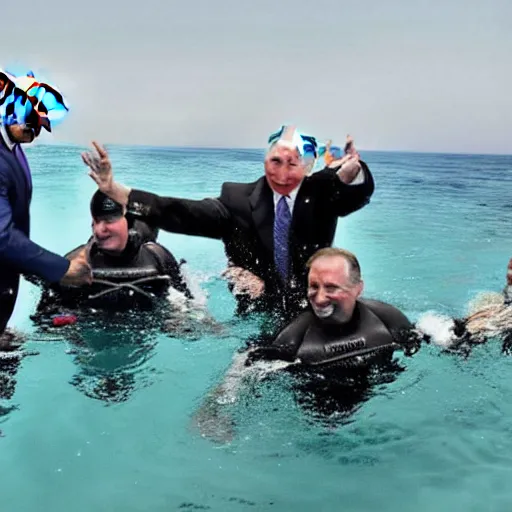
[(132, 285)]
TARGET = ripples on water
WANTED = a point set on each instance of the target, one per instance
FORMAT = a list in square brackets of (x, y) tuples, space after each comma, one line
[(435, 436)]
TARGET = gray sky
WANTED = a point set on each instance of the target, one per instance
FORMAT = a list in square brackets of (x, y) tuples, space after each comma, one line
[(397, 74)]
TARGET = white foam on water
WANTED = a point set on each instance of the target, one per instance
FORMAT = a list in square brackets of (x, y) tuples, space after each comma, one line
[(438, 327), (238, 373)]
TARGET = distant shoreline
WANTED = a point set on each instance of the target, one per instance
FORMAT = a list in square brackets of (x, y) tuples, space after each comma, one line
[(260, 150)]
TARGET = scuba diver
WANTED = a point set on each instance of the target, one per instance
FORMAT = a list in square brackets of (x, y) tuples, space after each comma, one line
[(138, 291), (130, 270), (340, 328), (335, 346)]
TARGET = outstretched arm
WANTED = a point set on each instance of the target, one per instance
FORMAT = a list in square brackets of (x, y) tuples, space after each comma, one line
[(207, 217), (19, 252)]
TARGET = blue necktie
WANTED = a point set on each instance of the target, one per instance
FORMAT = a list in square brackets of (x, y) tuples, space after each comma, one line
[(282, 223), (22, 160)]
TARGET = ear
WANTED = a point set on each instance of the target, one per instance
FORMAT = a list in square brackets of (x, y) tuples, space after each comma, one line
[(360, 288)]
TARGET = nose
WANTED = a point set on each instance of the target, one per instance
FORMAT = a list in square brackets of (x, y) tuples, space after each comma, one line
[(100, 228), (319, 297), (281, 173)]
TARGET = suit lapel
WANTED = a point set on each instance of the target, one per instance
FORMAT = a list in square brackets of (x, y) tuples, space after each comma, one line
[(25, 169), (302, 207), (18, 168), (262, 206)]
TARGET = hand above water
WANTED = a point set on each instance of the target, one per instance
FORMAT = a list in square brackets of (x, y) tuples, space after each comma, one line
[(79, 272), (101, 172), (350, 165)]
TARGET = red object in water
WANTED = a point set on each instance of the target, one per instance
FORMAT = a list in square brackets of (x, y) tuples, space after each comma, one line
[(59, 321)]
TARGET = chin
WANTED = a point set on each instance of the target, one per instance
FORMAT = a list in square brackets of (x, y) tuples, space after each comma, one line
[(106, 246), (29, 136), (284, 190)]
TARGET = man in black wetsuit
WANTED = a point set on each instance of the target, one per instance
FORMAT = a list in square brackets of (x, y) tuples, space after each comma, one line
[(129, 268), (334, 344), (340, 327)]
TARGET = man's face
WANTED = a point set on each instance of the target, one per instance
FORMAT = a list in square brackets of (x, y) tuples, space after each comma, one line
[(284, 169), (331, 292), (21, 133), (111, 233)]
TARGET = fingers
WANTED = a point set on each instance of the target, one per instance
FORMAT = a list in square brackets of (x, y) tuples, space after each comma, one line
[(95, 177), (340, 161), (100, 149), (86, 158), (352, 162)]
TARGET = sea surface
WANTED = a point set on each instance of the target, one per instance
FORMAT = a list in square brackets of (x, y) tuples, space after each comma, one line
[(110, 425)]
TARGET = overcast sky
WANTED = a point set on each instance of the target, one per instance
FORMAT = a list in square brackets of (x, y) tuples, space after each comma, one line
[(397, 74)]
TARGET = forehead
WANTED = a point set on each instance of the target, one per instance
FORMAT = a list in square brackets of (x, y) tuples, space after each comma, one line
[(283, 150), (329, 268)]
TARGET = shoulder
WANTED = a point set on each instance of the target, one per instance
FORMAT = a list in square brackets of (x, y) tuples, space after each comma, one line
[(162, 253), (293, 333), (390, 315), (232, 190)]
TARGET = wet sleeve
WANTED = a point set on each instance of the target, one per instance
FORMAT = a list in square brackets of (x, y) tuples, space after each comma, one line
[(206, 217), (345, 199), (18, 251)]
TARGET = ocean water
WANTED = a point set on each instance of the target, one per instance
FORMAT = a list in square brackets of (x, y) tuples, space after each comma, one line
[(435, 438)]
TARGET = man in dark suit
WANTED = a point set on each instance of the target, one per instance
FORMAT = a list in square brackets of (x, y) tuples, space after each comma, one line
[(18, 254), (270, 227)]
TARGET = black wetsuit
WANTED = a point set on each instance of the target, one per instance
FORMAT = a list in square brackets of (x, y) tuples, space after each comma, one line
[(335, 374), (374, 332), (145, 270)]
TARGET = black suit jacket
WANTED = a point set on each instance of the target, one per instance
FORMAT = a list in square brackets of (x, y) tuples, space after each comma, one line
[(243, 217)]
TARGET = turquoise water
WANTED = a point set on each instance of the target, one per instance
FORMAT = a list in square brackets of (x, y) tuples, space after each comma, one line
[(436, 438)]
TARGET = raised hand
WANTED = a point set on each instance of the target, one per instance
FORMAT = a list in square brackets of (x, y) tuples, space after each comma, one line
[(101, 172), (100, 167)]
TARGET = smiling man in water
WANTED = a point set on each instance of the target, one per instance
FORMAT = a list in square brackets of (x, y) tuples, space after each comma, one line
[(340, 327), (336, 341), (130, 269)]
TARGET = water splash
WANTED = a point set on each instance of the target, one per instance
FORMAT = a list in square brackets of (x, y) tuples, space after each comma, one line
[(438, 327)]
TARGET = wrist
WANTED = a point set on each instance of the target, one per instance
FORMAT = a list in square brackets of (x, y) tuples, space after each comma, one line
[(119, 193)]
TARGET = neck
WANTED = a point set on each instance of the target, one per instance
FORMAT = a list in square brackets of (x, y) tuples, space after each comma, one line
[(332, 324)]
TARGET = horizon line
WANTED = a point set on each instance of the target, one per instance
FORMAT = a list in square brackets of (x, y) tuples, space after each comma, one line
[(263, 149)]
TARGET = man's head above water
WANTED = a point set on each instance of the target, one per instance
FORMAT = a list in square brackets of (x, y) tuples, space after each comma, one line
[(334, 284), (289, 160), (109, 224)]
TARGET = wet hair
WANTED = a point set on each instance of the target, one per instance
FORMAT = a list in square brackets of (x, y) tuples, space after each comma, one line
[(354, 268)]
